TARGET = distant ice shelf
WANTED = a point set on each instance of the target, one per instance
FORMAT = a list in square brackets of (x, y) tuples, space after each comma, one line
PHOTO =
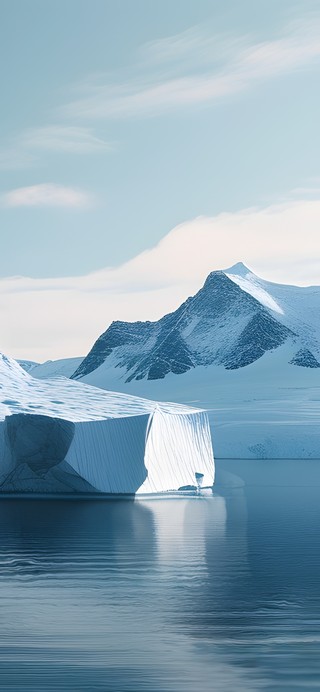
[(62, 436)]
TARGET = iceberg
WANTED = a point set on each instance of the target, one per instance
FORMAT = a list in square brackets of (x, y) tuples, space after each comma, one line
[(62, 436)]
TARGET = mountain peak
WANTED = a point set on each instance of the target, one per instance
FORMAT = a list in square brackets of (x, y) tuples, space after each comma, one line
[(239, 268), (217, 278)]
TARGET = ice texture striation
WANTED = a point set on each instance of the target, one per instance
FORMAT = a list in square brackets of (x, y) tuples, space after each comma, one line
[(57, 435)]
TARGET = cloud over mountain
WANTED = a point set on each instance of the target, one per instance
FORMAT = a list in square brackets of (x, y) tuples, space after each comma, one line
[(35, 312)]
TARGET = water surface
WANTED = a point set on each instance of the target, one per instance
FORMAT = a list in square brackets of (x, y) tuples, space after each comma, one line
[(185, 594)]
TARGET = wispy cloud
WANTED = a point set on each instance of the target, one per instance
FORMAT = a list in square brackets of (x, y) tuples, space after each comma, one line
[(35, 312), (77, 140), (46, 195), (182, 71), (311, 189), (192, 49), (194, 68), (28, 146)]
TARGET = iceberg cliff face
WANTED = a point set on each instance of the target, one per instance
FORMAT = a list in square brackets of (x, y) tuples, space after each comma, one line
[(62, 436)]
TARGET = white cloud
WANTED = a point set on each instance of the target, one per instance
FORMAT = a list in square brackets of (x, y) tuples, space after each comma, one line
[(78, 140), (50, 318), (56, 139), (192, 49), (191, 68), (46, 195), (198, 69)]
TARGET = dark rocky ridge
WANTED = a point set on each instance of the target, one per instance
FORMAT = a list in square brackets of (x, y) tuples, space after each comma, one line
[(305, 359)]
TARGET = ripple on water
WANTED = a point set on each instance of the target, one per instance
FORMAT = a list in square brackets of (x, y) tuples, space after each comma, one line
[(188, 594)]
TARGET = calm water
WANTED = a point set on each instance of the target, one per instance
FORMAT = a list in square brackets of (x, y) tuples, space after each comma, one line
[(218, 593)]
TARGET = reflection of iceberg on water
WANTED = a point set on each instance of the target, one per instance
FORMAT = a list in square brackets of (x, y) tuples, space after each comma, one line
[(61, 436), (183, 526)]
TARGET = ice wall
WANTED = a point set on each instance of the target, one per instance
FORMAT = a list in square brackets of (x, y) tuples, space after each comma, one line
[(178, 446), (110, 454)]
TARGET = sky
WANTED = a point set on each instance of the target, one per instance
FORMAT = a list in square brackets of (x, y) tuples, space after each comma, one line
[(144, 144)]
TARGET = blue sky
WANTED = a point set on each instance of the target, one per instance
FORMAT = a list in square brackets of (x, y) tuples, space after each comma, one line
[(145, 169), (122, 120)]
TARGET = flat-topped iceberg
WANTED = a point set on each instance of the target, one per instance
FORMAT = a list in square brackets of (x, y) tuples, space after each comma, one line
[(62, 436)]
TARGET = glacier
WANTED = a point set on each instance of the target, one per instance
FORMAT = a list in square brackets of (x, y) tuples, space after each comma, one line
[(62, 436)]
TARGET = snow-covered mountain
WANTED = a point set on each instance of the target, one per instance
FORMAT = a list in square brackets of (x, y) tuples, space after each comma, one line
[(27, 365), (232, 321), (244, 349), (64, 367)]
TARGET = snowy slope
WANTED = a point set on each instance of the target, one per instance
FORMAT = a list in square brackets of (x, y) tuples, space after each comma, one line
[(297, 307), (269, 409), (64, 367), (27, 365), (57, 435)]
